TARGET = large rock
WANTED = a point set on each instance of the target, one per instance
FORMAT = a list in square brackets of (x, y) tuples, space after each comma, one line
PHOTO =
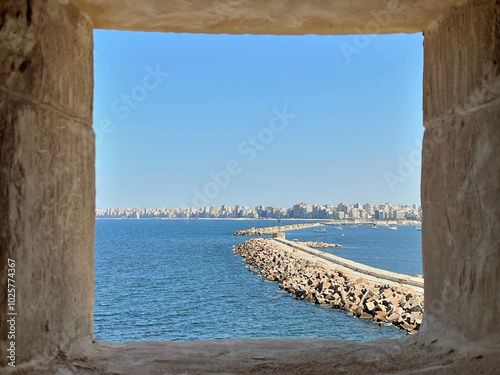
[(311, 281)]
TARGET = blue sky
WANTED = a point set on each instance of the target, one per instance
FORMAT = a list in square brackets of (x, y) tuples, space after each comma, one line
[(191, 120)]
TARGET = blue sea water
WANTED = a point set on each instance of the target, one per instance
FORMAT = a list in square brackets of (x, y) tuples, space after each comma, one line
[(394, 250), (180, 280)]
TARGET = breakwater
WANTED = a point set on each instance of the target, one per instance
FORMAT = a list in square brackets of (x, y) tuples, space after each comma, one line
[(318, 245), (340, 288), (267, 231), (415, 282)]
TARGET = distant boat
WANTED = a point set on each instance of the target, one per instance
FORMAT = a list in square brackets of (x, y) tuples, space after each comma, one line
[(393, 227), (353, 226), (338, 227), (341, 234), (322, 230), (374, 226), (418, 227)]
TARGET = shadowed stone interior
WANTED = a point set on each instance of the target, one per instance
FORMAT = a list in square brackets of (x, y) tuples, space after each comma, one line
[(47, 185)]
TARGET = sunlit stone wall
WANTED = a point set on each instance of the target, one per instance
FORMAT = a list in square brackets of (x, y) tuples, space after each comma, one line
[(47, 190), (47, 176), (461, 171)]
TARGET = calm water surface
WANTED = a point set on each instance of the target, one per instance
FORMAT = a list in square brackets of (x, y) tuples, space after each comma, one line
[(180, 280)]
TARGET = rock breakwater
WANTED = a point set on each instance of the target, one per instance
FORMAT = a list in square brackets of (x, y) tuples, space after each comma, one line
[(312, 281), (270, 230)]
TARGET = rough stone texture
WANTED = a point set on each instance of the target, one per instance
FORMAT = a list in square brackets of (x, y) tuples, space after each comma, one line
[(461, 60), (280, 17), (308, 277), (47, 185), (47, 175), (461, 172), (415, 354)]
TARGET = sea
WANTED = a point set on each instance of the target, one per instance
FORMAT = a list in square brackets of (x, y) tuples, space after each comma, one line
[(180, 280)]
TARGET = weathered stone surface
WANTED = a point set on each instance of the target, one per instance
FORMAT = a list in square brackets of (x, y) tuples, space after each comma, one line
[(370, 306), (412, 355), (47, 56), (47, 191), (288, 17), (364, 315), (461, 60), (47, 176), (460, 178), (461, 171)]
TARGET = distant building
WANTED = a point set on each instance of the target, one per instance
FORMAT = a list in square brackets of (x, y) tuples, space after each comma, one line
[(398, 215), (339, 215), (298, 211), (301, 211)]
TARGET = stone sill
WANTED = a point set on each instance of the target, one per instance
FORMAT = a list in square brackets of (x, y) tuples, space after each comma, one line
[(416, 354)]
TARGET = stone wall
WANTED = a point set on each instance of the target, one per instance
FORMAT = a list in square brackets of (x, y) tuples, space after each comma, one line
[(284, 17), (461, 171), (47, 175)]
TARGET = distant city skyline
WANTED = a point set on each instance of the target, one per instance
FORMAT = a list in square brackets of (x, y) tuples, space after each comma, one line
[(342, 211), (205, 120)]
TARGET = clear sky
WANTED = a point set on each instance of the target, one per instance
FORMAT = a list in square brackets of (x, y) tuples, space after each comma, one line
[(191, 120)]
